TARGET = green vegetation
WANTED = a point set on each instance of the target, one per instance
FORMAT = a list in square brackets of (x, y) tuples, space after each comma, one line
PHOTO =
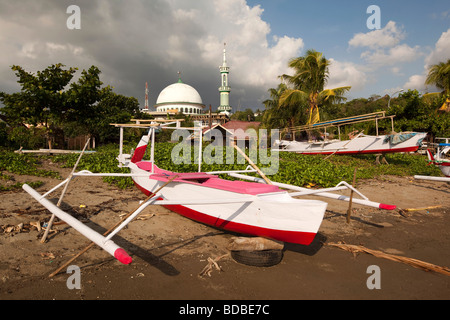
[(301, 170), (20, 164), (23, 164)]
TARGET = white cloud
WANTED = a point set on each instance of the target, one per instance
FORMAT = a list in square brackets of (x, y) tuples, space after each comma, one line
[(388, 36), (346, 74), (383, 48), (246, 35), (440, 53), (397, 54), (416, 82)]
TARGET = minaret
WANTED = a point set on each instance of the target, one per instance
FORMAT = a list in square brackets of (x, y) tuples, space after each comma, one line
[(146, 97), (224, 89)]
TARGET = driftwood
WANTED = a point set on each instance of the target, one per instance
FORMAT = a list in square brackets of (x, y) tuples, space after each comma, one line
[(410, 261), (404, 212), (419, 209)]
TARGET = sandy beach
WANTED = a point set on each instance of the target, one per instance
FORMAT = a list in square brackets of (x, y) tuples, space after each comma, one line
[(169, 251)]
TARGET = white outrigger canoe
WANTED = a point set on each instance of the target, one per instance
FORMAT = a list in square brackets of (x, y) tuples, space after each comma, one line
[(361, 144), (252, 208)]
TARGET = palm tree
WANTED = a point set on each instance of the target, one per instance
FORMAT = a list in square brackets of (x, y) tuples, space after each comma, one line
[(308, 82), (273, 117), (439, 75)]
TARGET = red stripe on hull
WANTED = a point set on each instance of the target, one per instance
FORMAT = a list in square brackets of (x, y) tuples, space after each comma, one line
[(304, 238), (408, 149)]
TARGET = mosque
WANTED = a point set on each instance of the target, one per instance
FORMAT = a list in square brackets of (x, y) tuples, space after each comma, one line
[(183, 98)]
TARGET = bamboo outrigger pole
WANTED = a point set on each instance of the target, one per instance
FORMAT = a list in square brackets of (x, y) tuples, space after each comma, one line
[(112, 228), (50, 222)]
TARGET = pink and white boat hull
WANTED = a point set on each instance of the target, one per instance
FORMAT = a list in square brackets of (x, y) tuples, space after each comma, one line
[(236, 206)]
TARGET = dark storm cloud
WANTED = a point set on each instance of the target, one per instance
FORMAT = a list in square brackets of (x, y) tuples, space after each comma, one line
[(136, 41)]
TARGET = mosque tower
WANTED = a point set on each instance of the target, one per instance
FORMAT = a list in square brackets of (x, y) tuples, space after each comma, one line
[(224, 89)]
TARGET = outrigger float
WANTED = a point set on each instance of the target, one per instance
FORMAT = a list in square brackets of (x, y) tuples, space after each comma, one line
[(261, 207), (359, 143)]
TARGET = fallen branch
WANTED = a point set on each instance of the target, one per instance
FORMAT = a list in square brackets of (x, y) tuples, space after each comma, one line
[(410, 261), (418, 209)]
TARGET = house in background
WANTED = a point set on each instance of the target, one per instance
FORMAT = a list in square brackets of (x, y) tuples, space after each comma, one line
[(240, 132)]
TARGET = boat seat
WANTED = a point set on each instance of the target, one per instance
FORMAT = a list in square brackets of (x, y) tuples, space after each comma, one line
[(207, 180), (189, 176), (252, 188)]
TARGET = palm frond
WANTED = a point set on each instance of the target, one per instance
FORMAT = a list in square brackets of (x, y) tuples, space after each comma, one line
[(292, 97)]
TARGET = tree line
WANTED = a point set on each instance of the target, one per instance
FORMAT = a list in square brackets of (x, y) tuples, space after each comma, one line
[(301, 98), (50, 106)]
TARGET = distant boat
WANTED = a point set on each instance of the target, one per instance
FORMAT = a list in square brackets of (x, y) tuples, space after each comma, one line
[(359, 144), (362, 144), (440, 158)]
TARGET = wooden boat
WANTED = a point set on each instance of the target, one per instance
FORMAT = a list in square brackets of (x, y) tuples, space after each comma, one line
[(440, 159), (238, 206), (357, 144), (259, 208), (361, 144)]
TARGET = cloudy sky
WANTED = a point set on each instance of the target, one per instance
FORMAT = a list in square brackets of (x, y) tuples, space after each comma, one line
[(138, 41)]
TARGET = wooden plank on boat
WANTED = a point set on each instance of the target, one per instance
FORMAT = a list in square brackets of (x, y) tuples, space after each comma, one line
[(53, 151)]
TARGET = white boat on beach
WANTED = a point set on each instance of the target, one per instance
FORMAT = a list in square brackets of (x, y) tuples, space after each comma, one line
[(358, 144), (361, 144)]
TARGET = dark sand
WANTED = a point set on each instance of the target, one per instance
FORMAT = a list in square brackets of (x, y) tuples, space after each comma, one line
[(169, 251)]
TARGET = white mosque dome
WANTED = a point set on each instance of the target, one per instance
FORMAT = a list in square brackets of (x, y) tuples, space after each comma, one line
[(180, 96)]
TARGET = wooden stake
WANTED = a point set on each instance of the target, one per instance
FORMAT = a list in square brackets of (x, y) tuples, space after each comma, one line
[(251, 163), (50, 222), (349, 211), (112, 228)]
